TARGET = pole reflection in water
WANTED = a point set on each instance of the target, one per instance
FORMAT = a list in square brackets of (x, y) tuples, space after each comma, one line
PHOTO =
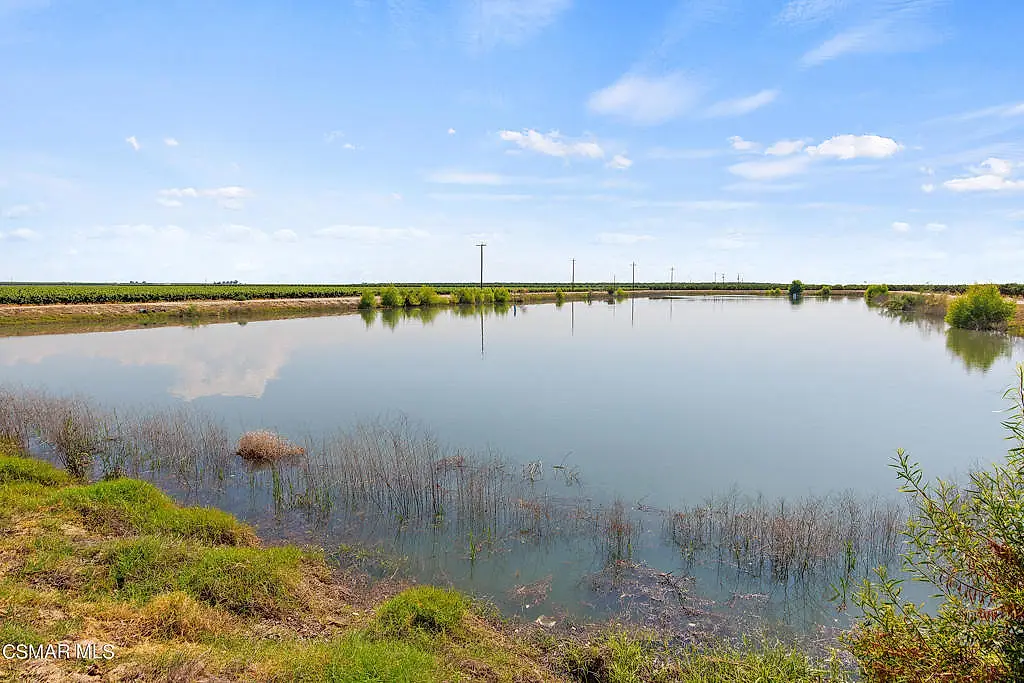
[(572, 318), (632, 309), (481, 332)]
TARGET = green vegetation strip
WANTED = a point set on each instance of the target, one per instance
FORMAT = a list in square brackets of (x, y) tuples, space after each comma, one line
[(142, 293)]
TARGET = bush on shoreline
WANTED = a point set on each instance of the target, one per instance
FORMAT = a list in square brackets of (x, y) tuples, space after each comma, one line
[(874, 291), (967, 542), (982, 307)]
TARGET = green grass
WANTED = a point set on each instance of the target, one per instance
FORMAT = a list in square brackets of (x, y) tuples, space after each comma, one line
[(147, 510), (625, 657), (424, 609), (27, 470), (244, 581), (357, 658)]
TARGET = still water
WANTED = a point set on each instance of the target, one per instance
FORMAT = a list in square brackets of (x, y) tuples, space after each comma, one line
[(659, 402)]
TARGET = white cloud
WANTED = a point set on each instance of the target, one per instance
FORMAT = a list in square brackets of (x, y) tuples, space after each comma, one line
[(22, 234), (936, 227), (992, 175), (856, 146), (170, 142), (22, 211), (133, 142), (999, 167), (451, 131), (900, 226), (552, 144), (132, 231), (884, 26), (809, 11), (465, 178), (645, 100), (784, 148), (228, 197), (757, 186), (1000, 111), (695, 204), (927, 170), (370, 234), (928, 188), (741, 145), (285, 235), (491, 23), (742, 105), (348, 145), (480, 196), (619, 163), (770, 170), (240, 233), (621, 238), (983, 183), (333, 136)]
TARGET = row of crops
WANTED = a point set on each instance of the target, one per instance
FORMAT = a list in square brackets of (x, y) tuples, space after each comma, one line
[(140, 293)]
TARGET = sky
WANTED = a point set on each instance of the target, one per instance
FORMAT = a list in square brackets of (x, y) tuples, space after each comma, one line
[(834, 141)]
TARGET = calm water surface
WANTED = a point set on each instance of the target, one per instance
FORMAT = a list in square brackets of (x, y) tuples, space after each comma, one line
[(661, 402)]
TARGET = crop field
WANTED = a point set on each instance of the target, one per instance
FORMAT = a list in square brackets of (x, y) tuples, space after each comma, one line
[(140, 293)]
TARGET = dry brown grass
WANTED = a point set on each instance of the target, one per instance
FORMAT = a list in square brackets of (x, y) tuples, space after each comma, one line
[(265, 446)]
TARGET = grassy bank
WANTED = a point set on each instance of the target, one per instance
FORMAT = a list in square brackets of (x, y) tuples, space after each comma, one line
[(192, 594)]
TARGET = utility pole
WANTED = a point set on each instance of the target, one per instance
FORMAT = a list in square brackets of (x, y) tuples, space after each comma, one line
[(634, 274), (573, 287), (672, 275), (482, 245)]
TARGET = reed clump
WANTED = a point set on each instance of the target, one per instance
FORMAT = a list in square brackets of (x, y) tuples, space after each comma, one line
[(783, 540), (266, 446)]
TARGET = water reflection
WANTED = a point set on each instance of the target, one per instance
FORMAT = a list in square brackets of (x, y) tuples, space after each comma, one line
[(978, 350)]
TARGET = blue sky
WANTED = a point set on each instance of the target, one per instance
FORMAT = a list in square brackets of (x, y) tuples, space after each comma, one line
[(362, 140)]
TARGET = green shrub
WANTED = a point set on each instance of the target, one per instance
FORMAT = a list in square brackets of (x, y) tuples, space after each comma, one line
[(367, 300), (487, 295), (502, 296), (825, 291), (466, 295), (968, 542), (411, 297), (981, 308), (611, 290), (423, 608), (391, 297), (427, 296), (559, 296), (620, 293), (875, 291), (796, 288), (903, 303)]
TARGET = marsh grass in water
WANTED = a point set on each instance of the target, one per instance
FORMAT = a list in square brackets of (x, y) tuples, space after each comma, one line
[(788, 540)]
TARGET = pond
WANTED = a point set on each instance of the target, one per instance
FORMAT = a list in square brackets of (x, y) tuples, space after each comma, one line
[(643, 410)]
